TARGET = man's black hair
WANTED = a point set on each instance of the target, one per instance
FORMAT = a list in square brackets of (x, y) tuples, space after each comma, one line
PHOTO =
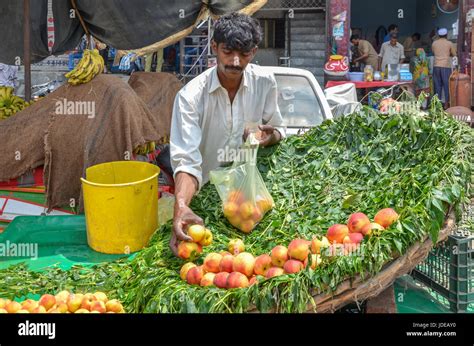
[(354, 37), (238, 32), (417, 35), (391, 27)]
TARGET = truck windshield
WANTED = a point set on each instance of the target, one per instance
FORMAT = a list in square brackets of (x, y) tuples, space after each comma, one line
[(299, 105)]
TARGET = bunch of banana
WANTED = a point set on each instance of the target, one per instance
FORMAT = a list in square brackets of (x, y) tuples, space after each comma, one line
[(145, 149), (90, 65), (9, 103)]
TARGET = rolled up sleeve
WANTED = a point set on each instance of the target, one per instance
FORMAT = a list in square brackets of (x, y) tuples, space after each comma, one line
[(271, 111), (185, 139)]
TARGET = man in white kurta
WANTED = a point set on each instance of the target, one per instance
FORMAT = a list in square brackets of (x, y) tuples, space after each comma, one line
[(212, 112)]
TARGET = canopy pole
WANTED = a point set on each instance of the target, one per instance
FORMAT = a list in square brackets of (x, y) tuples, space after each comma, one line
[(27, 48)]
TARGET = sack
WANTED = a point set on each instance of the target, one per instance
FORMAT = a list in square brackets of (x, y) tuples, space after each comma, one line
[(245, 198)]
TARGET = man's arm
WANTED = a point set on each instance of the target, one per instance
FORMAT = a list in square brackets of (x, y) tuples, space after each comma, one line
[(186, 160)]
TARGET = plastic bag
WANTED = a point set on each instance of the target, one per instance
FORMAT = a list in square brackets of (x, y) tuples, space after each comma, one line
[(245, 198)]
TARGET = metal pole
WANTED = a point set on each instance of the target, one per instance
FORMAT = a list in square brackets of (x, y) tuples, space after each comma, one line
[(27, 48)]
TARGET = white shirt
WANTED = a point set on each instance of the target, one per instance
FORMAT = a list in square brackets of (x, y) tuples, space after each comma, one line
[(205, 122)]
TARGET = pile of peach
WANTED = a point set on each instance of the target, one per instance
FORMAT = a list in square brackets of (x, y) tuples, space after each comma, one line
[(64, 302), (201, 237), (237, 269), (243, 213)]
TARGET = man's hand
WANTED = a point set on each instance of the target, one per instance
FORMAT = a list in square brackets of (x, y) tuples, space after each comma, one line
[(269, 135), (183, 218)]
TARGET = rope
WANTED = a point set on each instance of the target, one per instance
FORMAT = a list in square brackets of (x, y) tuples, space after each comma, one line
[(83, 24)]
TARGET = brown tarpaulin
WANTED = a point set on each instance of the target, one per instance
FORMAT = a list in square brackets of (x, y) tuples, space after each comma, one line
[(158, 91), (69, 140)]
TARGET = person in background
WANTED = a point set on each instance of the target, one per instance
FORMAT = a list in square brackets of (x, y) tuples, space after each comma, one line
[(8, 75), (411, 44), (421, 74), (392, 29), (443, 50), (367, 53), (392, 52)]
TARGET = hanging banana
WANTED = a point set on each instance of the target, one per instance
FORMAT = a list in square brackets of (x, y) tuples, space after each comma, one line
[(90, 65)]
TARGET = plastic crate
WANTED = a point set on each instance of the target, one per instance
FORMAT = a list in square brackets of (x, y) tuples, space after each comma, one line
[(449, 270)]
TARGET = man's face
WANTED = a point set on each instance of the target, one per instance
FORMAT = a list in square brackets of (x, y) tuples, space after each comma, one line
[(395, 31), (231, 63), (355, 42), (393, 41)]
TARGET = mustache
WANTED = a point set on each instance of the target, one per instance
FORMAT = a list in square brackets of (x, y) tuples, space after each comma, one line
[(236, 68)]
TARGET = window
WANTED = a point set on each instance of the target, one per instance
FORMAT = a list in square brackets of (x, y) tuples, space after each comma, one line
[(299, 105), (273, 33)]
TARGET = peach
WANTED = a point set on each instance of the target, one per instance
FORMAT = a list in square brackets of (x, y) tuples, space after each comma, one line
[(246, 210), (220, 280), (237, 280), (74, 302), (317, 244), (386, 217), (247, 226), (196, 232), (225, 253), (253, 280), (274, 271), (264, 205), (279, 255), (12, 307), (47, 300), (236, 246), (207, 239), (227, 264), (257, 216), (236, 197), (207, 279), (188, 249), (356, 222), (336, 233), (235, 221), (184, 270), (62, 307), (230, 209), (195, 275), (347, 240), (82, 311), (356, 238), (293, 266), (211, 262), (244, 263), (315, 261), (262, 264), (299, 249), (39, 310), (4, 302), (101, 296), (114, 305), (62, 296), (29, 305), (368, 229), (87, 301), (98, 306)]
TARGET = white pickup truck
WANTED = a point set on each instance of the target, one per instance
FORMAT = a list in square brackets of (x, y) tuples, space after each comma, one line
[(302, 102)]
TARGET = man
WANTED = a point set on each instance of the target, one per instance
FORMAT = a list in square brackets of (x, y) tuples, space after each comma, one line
[(443, 50), (392, 29), (391, 52), (368, 55), (410, 45), (211, 111)]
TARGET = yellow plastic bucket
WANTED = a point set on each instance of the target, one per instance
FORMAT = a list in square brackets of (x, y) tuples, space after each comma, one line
[(121, 205)]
